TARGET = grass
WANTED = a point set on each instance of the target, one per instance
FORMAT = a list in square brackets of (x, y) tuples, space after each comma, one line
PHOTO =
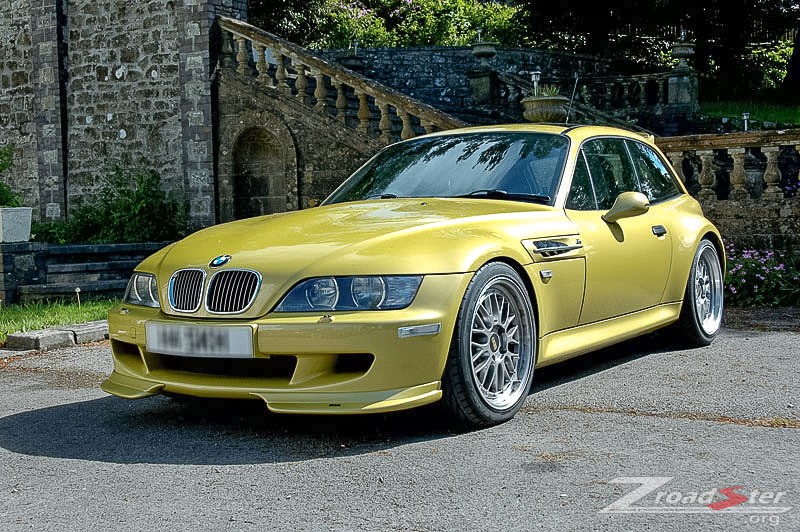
[(761, 111), (32, 316)]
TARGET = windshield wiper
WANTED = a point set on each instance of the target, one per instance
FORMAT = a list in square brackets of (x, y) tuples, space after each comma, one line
[(494, 193), (383, 196)]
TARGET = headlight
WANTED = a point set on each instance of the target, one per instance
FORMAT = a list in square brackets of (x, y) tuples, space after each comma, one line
[(351, 293), (142, 290)]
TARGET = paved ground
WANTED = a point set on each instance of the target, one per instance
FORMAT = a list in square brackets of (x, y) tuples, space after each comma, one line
[(73, 458)]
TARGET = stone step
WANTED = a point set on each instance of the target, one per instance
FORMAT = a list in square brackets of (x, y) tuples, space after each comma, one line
[(37, 292), (77, 267), (84, 272)]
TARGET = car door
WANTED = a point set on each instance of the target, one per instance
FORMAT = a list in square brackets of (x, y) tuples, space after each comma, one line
[(628, 261)]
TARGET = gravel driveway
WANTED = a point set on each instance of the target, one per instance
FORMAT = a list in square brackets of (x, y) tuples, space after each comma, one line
[(692, 422)]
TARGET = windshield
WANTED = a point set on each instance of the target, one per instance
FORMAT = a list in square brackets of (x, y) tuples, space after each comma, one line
[(490, 164)]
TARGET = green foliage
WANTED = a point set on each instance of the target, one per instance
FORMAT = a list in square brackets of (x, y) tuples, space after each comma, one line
[(130, 207), (32, 316), (417, 23), (548, 90), (761, 278), (765, 66), (759, 110), (8, 198)]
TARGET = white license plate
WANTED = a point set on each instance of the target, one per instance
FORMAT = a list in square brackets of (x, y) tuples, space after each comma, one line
[(206, 341)]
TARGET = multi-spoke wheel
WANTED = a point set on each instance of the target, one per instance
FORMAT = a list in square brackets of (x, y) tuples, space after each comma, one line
[(701, 314), (493, 352)]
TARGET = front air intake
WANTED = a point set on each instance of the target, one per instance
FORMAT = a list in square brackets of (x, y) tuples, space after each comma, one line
[(232, 291)]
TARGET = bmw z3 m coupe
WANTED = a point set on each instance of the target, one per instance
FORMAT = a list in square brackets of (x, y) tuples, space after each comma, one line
[(447, 268)]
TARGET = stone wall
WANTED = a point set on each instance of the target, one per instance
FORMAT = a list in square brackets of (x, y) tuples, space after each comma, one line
[(316, 152), (17, 120), (438, 75), (88, 84)]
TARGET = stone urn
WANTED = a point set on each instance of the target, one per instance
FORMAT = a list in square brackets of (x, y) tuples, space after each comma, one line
[(15, 224), (545, 108), (484, 51), (683, 51)]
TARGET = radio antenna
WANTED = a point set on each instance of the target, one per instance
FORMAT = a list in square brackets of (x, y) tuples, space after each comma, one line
[(569, 108)]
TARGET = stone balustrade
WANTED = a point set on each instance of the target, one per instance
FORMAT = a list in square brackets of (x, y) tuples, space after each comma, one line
[(513, 87), (283, 66), (737, 166)]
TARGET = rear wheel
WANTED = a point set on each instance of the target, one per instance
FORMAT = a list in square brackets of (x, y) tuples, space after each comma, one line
[(701, 313), (493, 351)]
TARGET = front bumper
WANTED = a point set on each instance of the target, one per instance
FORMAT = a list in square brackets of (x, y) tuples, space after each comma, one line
[(349, 362)]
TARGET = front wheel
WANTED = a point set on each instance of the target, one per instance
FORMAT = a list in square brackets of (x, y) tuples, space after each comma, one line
[(493, 352), (701, 313)]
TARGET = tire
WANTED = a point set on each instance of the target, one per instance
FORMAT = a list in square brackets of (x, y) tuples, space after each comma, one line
[(493, 351), (701, 311)]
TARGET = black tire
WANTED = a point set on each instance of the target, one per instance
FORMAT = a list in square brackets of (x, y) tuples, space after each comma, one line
[(467, 402), (693, 329)]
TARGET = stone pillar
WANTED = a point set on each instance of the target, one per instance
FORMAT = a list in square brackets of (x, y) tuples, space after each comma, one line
[(49, 103), (676, 157), (195, 18), (706, 178), (772, 174), (738, 175)]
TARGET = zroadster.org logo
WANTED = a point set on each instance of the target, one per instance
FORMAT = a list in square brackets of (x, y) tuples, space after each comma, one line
[(730, 500)]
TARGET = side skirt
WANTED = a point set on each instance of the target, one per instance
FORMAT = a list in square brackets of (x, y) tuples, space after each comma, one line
[(568, 343)]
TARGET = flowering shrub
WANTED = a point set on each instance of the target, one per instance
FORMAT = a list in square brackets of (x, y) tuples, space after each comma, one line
[(418, 23), (758, 278)]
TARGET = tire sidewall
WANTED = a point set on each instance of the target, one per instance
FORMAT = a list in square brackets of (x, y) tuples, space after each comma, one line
[(690, 293), (464, 352)]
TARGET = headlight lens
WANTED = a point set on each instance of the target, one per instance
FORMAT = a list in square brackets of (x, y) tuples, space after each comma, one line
[(374, 292), (142, 290)]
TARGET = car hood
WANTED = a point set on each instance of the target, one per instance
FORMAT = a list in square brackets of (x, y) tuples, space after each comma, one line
[(397, 236)]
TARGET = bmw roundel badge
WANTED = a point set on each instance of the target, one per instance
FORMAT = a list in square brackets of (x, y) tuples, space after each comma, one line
[(219, 261)]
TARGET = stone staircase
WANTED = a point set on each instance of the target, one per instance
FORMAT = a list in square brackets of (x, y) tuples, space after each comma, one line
[(99, 270), (356, 102)]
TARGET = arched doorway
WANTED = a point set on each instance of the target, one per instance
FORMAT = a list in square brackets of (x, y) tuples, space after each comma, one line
[(259, 174)]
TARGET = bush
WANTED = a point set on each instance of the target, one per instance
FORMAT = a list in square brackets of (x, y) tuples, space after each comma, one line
[(8, 198), (761, 278), (130, 207), (418, 23)]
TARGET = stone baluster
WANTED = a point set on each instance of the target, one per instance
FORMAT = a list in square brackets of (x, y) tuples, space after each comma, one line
[(662, 90), (642, 92), (301, 83), (227, 49), (428, 126), (408, 131), (385, 123), (341, 100), (280, 74), (243, 62), (320, 91), (363, 112), (738, 175), (262, 67), (706, 178), (772, 174), (676, 157)]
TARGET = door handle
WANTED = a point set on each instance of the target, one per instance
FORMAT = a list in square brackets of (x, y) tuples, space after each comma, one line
[(659, 230)]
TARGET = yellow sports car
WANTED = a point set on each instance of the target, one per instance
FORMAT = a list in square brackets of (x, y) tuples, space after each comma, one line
[(448, 267)]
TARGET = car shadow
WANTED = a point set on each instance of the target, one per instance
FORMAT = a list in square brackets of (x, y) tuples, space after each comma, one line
[(160, 430)]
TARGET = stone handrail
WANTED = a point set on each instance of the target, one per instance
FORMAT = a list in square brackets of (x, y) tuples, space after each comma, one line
[(412, 114), (737, 146), (519, 86)]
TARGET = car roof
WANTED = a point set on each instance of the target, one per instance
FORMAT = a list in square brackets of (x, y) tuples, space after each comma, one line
[(578, 132)]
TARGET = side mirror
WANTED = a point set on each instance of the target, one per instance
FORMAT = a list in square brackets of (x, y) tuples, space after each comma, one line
[(626, 205)]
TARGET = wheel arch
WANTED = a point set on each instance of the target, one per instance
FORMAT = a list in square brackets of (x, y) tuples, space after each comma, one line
[(517, 267), (716, 239)]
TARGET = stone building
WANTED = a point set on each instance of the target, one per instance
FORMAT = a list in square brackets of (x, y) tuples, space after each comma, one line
[(85, 84)]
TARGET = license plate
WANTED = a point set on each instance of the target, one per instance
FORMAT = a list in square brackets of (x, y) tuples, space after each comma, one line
[(205, 341)]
